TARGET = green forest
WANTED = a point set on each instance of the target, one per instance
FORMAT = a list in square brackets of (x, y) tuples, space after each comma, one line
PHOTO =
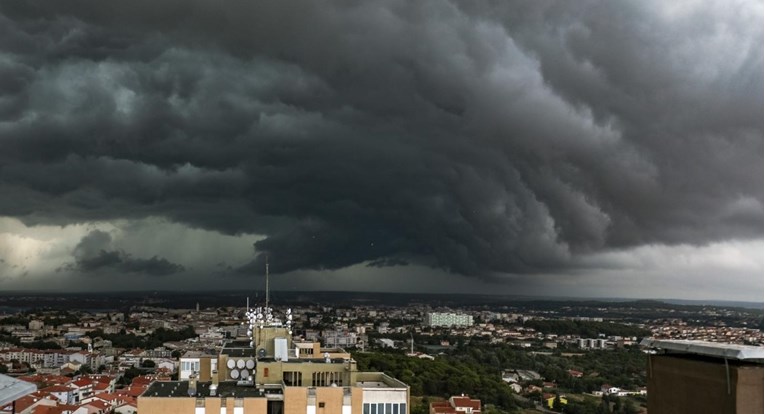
[(476, 370)]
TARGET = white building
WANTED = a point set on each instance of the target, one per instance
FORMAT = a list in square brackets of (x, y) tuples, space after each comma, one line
[(339, 338), (591, 343), (448, 319)]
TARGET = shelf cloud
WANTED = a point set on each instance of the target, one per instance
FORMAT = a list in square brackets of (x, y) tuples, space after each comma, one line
[(483, 139)]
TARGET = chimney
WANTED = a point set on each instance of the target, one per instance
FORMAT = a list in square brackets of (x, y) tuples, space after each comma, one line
[(192, 385), (214, 385)]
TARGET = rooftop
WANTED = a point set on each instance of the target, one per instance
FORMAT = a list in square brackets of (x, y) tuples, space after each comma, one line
[(12, 389), (710, 349), (197, 354), (238, 352), (238, 349), (175, 389)]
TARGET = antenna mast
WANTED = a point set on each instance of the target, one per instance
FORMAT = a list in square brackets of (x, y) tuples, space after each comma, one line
[(266, 282)]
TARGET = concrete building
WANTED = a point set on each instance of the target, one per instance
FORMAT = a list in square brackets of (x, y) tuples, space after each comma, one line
[(591, 343), (339, 338), (271, 374), (704, 377), (448, 319)]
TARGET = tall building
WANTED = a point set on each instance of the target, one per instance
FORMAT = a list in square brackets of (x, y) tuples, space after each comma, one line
[(274, 375), (448, 319), (704, 377)]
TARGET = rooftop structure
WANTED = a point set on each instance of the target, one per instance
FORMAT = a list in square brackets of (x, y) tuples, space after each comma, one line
[(12, 389), (696, 376), (448, 319), (710, 349), (272, 374)]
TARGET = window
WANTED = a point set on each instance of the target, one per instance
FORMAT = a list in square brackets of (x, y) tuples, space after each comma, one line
[(321, 405), (384, 408), (292, 378)]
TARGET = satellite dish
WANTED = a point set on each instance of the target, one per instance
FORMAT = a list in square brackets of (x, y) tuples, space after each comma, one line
[(240, 364), (231, 364), (261, 353), (234, 374), (250, 364), (244, 373)]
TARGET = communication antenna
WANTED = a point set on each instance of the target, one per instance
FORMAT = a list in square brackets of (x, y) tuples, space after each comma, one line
[(266, 282)]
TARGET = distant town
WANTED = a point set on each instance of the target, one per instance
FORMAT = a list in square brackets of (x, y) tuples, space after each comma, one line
[(506, 356)]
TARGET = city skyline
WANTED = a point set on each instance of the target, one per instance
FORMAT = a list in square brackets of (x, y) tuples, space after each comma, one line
[(601, 149)]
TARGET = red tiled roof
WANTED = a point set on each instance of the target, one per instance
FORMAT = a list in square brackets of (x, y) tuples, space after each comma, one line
[(133, 390), (82, 382), (142, 380), (56, 388), (45, 380), (29, 400), (98, 404), (58, 409), (100, 386), (466, 402), (105, 379), (110, 397), (442, 407)]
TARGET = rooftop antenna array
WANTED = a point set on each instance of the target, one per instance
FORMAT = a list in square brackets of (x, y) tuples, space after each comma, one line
[(263, 316)]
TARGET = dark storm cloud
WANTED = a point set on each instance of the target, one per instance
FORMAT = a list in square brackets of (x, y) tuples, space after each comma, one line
[(479, 137), (94, 254)]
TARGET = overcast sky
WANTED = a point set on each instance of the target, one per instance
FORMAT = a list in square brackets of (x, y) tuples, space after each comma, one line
[(583, 148)]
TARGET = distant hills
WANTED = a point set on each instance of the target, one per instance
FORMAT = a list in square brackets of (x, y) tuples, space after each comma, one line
[(123, 300)]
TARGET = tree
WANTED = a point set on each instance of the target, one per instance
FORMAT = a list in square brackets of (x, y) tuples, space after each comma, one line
[(147, 363), (85, 369), (131, 373), (618, 405), (557, 404), (630, 408), (3, 369)]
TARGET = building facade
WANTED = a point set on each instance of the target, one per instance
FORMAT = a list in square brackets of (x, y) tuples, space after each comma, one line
[(448, 319), (272, 375)]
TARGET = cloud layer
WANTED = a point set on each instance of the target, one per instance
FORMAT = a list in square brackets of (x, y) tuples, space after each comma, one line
[(483, 139)]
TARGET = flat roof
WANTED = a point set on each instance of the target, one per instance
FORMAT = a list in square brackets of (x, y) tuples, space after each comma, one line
[(237, 344), (303, 360), (712, 349), (12, 389), (176, 389), (238, 352), (197, 354)]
